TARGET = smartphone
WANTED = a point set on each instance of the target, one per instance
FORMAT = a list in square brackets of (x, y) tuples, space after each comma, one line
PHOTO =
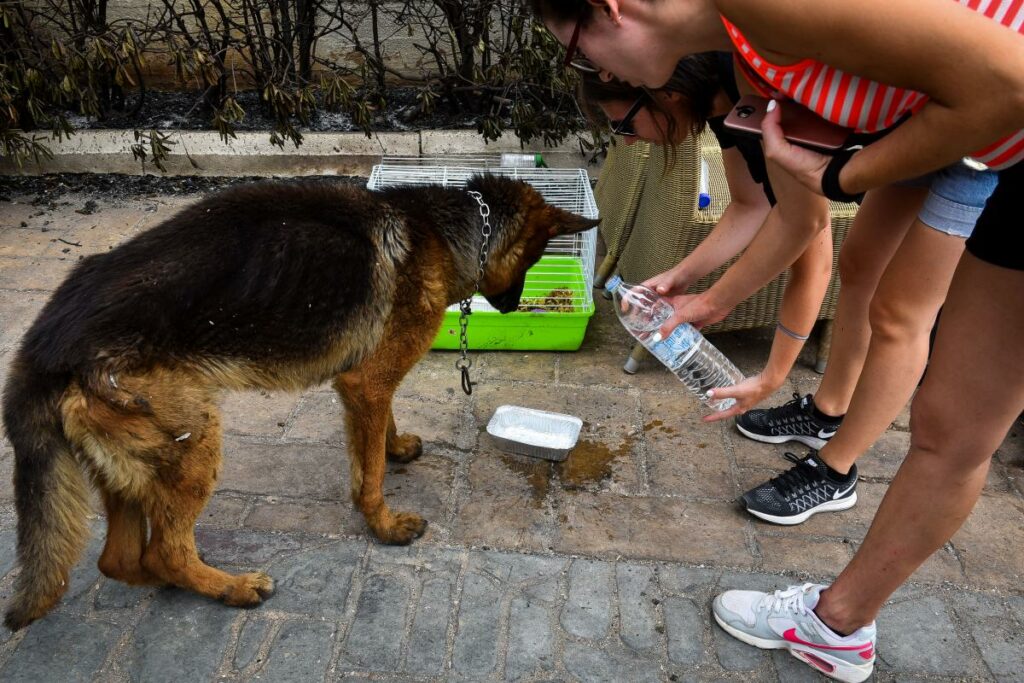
[(800, 125)]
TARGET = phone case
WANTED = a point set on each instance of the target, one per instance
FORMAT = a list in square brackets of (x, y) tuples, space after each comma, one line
[(800, 125)]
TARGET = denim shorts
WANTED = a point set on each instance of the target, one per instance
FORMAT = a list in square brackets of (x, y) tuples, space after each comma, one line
[(956, 197)]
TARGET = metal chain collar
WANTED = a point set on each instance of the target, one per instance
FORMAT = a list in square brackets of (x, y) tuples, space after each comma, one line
[(464, 363)]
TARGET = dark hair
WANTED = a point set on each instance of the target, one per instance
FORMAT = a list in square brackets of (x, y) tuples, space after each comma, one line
[(561, 11), (696, 79)]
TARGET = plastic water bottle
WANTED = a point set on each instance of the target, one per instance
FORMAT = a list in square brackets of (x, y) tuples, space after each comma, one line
[(704, 198), (691, 357), (523, 160)]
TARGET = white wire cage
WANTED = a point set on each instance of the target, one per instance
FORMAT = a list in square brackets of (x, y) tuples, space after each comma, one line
[(563, 280)]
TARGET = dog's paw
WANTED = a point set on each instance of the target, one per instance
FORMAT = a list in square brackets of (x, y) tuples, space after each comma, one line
[(405, 448), (248, 590), (406, 527)]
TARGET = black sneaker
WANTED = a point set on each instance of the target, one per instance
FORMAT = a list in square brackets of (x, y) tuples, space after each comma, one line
[(809, 487), (792, 421)]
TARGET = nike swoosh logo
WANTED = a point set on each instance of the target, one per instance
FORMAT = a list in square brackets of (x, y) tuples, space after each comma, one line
[(826, 434), (792, 637), (840, 494)]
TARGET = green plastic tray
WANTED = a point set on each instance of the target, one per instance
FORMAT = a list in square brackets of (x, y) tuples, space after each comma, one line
[(554, 329)]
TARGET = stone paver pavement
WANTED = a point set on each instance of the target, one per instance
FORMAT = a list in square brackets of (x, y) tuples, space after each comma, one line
[(599, 568)]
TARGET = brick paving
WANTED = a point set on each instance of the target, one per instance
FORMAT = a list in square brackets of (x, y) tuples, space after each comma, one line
[(600, 568)]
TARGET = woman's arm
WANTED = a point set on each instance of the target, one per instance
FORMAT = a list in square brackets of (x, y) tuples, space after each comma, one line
[(739, 223), (971, 67), (801, 300), (801, 303), (798, 218)]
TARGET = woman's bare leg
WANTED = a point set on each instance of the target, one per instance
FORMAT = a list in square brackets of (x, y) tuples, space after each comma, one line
[(879, 228), (902, 314), (972, 393)]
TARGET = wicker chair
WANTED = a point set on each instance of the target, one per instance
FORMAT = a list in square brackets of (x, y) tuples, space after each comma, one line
[(650, 221)]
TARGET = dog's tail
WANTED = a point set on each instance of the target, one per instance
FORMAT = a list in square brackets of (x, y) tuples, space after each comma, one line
[(50, 491)]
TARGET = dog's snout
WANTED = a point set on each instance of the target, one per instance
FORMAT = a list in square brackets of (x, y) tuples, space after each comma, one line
[(507, 301)]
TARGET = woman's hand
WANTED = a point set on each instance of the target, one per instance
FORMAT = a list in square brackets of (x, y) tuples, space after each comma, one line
[(696, 309), (747, 393), (806, 166), (673, 281)]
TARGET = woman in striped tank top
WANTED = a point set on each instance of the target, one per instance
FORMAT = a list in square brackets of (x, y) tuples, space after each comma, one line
[(957, 70)]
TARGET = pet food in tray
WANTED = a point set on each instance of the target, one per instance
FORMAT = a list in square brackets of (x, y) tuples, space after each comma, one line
[(536, 433)]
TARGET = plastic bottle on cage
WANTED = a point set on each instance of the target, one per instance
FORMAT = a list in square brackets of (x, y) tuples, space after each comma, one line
[(704, 198), (523, 160), (690, 357)]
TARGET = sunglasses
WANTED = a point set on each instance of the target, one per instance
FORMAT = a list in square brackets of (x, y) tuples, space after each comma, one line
[(624, 126), (573, 57)]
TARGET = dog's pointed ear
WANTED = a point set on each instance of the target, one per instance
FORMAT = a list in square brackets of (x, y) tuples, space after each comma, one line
[(565, 223)]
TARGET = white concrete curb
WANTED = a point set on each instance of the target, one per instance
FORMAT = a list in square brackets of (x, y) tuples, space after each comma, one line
[(251, 153)]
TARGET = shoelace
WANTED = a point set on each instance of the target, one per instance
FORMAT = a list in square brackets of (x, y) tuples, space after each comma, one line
[(789, 600), (788, 412), (797, 477)]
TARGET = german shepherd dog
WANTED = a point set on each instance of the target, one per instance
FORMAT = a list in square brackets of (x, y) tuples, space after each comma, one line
[(273, 286)]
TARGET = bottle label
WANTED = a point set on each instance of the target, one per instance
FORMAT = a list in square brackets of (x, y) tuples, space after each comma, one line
[(673, 350)]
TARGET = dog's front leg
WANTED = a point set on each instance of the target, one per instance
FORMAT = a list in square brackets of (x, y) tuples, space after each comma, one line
[(368, 416)]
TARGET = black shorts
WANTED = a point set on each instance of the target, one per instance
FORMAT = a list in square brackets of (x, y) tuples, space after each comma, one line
[(998, 237)]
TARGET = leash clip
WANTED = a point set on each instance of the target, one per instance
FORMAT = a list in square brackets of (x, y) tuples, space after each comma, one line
[(467, 385)]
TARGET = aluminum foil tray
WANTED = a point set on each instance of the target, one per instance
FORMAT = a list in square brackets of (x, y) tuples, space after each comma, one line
[(536, 433)]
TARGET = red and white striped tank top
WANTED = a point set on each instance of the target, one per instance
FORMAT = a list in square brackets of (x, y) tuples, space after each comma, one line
[(869, 106)]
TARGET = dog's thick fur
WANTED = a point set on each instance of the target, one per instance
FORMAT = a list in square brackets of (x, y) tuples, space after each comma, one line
[(274, 286)]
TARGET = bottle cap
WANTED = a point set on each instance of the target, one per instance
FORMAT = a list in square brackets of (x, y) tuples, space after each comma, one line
[(703, 200), (613, 283)]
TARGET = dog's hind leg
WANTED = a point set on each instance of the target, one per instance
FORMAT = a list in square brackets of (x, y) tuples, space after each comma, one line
[(177, 497), (368, 407), (126, 541), (401, 447)]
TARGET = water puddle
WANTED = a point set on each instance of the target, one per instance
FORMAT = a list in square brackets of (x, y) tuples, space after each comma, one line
[(588, 464), (536, 472)]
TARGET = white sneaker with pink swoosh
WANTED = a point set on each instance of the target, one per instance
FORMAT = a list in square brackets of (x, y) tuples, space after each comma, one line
[(786, 620)]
